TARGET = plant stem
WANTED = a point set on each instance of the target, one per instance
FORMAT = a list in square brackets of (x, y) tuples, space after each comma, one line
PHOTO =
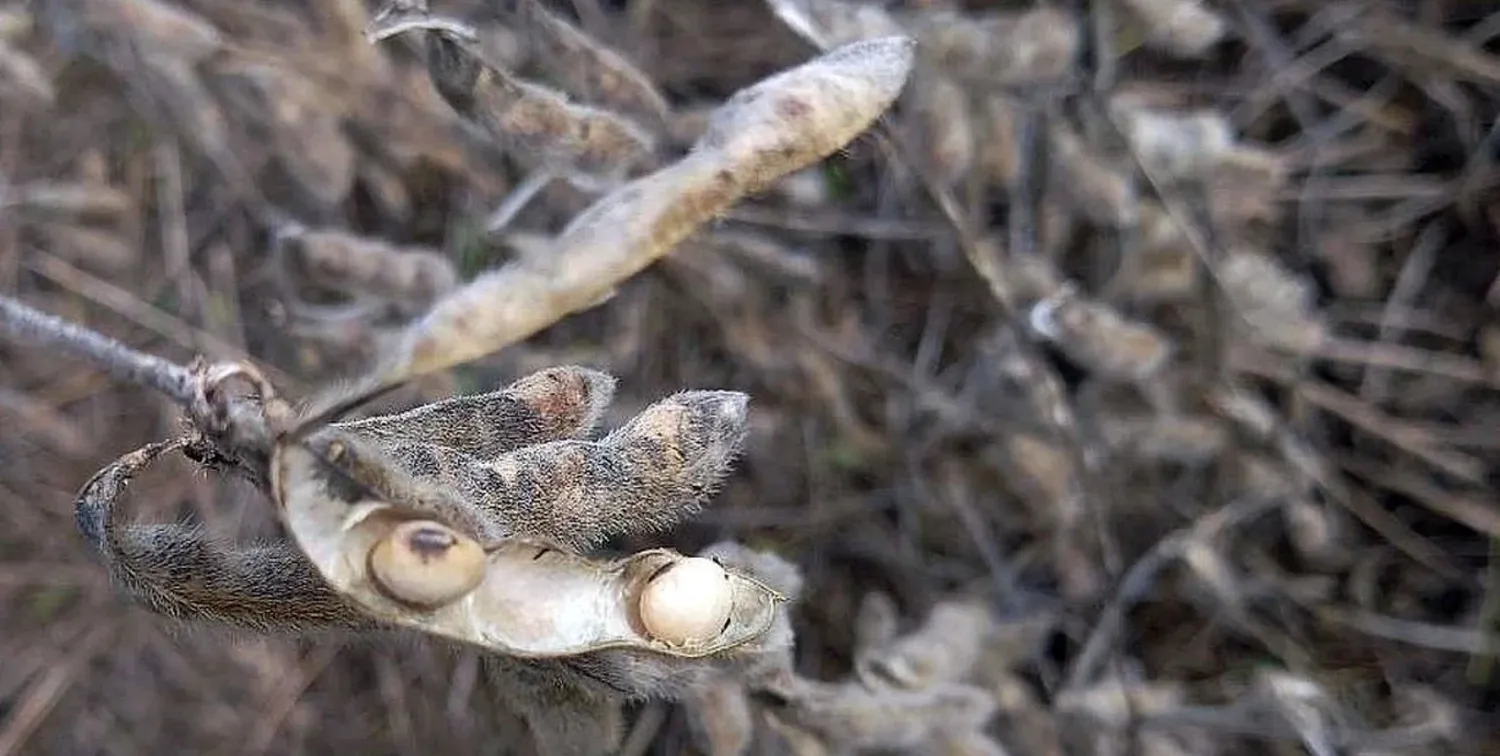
[(118, 360)]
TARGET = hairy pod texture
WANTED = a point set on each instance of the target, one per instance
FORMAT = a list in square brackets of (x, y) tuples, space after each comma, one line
[(777, 126)]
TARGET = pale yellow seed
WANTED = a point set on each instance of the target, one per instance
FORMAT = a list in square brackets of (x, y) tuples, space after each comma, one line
[(688, 603), (426, 564)]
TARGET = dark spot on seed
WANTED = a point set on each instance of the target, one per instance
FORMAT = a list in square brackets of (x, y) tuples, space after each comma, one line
[(430, 543)]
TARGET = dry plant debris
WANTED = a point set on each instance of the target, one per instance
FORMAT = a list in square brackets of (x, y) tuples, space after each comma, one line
[(444, 532), (1122, 377)]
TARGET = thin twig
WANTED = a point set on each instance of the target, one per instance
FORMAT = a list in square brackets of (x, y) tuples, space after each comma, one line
[(121, 362), (1411, 632), (1395, 431), (1472, 510), (236, 427), (144, 314)]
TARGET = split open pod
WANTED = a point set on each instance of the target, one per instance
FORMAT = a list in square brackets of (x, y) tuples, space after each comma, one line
[(419, 567)]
